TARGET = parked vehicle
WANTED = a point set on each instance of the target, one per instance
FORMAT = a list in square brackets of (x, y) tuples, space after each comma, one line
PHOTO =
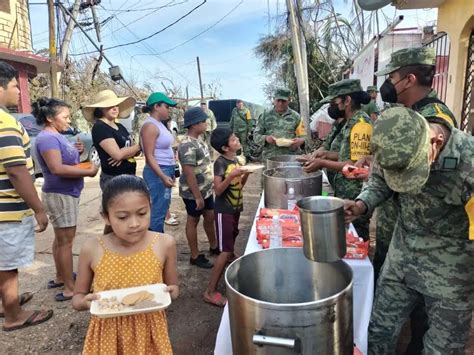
[(223, 110), (33, 129)]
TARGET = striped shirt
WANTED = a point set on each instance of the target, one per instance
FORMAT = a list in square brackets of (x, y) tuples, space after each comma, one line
[(14, 150)]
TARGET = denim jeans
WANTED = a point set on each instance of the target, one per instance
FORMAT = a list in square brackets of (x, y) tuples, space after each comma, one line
[(160, 196)]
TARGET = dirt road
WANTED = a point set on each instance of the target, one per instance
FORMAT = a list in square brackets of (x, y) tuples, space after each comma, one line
[(192, 323)]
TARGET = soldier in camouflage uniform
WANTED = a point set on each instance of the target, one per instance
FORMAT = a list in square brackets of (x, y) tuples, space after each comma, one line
[(280, 122), (371, 108), (242, 124), (211, 125), (196, 185), (411, 73), (431, 255), (420, 98), (347, 95)]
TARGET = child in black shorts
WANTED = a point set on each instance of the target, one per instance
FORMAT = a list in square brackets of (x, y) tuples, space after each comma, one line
[(229, 180)]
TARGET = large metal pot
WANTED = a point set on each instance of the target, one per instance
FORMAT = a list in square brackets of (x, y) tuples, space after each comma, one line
[(278, 181), (282, 303), (323, 228), (284, 161)]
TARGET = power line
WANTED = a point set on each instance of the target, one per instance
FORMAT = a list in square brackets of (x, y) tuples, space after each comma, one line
[(153, 34), (150, 8), (204, 31)]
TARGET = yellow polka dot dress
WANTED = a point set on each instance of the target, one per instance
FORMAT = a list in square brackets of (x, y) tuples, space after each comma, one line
[(145, 333)]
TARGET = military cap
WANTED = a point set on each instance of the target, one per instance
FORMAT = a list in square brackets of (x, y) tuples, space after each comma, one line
[(372, 88), (343, 87), (400, 143), (409, 56), (282, 94)]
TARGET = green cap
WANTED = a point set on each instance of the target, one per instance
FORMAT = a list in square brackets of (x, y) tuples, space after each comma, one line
[(409, 56), (282, 94), (372, 88), (343, 87), (157, 97), (400, 143)]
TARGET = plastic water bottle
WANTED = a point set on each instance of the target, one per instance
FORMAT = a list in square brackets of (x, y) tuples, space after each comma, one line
[(275, 233), (291, 199)]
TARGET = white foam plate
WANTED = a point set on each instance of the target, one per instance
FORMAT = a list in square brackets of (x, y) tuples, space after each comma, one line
[(162, 297), (252, 167)]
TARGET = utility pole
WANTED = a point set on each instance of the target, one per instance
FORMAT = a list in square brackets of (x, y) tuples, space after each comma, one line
[(300, 65), (96, 22), (69, 30), (200, 80), (67, 12), (53, 56), (187, 97)]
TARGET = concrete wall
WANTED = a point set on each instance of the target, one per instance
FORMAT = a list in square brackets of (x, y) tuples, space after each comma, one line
[(456, 17), (14, 25)]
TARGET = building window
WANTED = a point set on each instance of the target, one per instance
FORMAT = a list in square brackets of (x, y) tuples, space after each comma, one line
[(5, 6)]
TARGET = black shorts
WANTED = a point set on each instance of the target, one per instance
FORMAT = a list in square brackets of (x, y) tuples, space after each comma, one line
[(227, 230), (191, 206)]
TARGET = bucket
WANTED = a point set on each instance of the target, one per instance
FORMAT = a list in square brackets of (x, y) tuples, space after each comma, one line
[(278, 181), (282, 303), (323, 228)]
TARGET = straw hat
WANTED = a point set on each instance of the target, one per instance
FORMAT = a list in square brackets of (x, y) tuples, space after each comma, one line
[(107, 98)]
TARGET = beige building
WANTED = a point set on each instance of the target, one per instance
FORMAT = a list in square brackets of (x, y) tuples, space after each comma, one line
[(456, 18), (14, 25)]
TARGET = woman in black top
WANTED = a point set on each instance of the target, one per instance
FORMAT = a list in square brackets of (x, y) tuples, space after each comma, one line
[(113, 142)]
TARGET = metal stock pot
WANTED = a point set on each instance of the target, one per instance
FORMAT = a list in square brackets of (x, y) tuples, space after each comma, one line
[(282, 303), (278, 181), (284, 161)]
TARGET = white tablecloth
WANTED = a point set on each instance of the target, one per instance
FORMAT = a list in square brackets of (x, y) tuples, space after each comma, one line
[(363, 291)]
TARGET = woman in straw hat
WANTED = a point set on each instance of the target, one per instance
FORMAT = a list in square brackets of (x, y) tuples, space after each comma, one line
[(159, 171), (113, 142)]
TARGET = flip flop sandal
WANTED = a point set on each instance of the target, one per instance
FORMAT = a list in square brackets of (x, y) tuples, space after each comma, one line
[(54, 284), (34, 319), (216, 300), (171, 221), (24, 298), (61, 298)]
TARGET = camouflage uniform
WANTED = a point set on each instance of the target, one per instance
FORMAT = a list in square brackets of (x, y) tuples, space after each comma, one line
[(242, 124), (435, 112), (354, 144), (430, 256), (371, 107), (194, 152), (333, 144), (211, 125), (285, 125)]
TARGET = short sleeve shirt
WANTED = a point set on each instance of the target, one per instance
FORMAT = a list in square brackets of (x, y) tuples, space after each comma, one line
[(231, 200), (15, 150), (102, 131), (69, 156), (194, 152)]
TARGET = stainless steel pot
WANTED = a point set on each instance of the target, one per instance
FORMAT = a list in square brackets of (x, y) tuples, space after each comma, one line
[(277, 182), (284, 161), (282, 303), (323, 228)]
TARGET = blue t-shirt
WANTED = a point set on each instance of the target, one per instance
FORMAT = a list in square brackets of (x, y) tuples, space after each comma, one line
[(70, 156)]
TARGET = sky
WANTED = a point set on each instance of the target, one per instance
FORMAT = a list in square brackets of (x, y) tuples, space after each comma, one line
[(223, 33)]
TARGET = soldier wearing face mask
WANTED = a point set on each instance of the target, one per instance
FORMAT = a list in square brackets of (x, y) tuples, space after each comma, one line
[(430, 259), (410, 76), (346, 97)]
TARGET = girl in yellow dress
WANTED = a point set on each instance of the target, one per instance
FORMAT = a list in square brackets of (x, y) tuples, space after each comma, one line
[(129, 256)]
